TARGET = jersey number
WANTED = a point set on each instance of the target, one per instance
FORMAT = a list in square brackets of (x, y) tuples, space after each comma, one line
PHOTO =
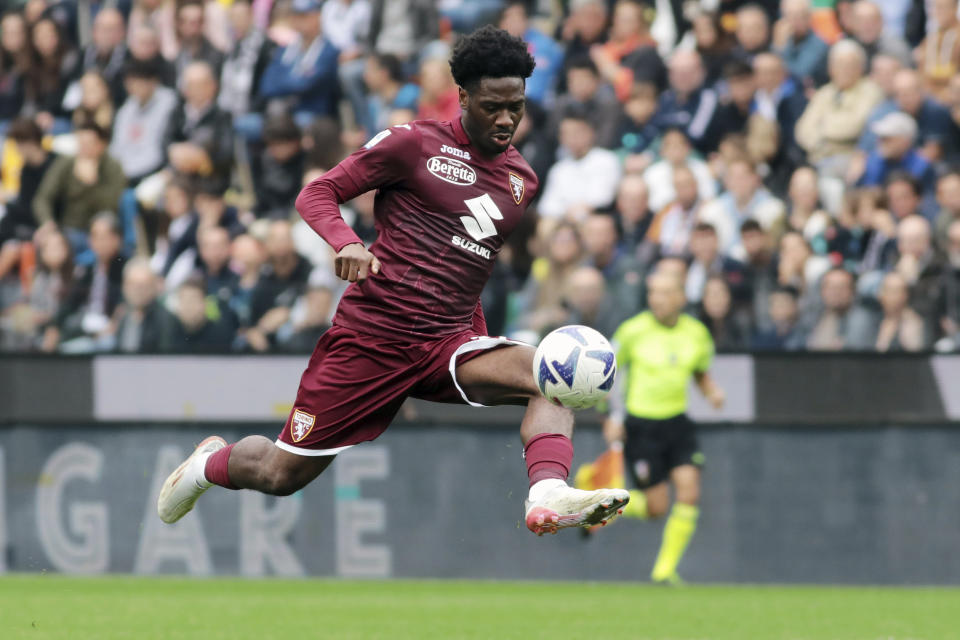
[(484, 211)]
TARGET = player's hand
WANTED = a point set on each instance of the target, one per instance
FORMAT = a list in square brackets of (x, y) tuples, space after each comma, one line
[(717, 398), (354, 263), (613, 431)]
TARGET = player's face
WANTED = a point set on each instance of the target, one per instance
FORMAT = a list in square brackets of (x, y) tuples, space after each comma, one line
[(491, 113)]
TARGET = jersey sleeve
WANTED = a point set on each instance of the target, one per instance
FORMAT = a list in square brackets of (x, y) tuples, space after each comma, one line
[(705, 357), (387, 159)]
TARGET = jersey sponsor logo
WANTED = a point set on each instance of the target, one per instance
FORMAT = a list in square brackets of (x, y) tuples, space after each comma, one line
[(472, 247), (460, 153), (451, 170), (301, 425), (516, 187), (484, 211)]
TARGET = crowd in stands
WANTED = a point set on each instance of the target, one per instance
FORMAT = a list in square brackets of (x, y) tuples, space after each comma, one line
[(797, 162)]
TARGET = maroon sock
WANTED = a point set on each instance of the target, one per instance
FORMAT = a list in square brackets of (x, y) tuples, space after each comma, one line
[(216, 469), (548, 455)]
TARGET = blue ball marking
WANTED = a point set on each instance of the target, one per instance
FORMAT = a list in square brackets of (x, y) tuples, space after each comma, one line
[(608, 383), (544, 376), (568, 369), (606, 357), (574, 333)]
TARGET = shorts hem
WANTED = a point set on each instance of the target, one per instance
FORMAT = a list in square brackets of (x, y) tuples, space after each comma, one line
[(303, 451), (481, 343)]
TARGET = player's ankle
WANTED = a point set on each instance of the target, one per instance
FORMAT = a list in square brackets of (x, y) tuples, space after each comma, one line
[(541, 488)]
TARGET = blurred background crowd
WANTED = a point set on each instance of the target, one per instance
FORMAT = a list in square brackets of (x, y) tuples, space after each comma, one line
[(796, 161)]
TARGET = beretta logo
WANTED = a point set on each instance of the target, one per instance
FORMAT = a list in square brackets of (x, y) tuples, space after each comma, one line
[(451, 170)]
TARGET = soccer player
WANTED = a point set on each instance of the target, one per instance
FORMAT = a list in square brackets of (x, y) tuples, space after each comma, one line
[(660, 350), (410, 324)]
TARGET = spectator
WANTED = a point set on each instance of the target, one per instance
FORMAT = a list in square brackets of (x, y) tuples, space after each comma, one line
[(633, 212), (138, 132), (948, 311), (588, 302), (198, 327), (199, 138), (75, 188), (402, 27), (144, 47), (631, 53), (636, 131), (301, 335), (167, 224), (282, 280), (346, 23), (804, 212), (214, 265), (304, 73), (143, 325), (94, 102), (387, 90), (712, 42), (15, 63), (779, 99), (278, 170), (706, 262), (586, 164), (904, 195), (867, 30), (883, 69), (49, 287), (622, 274), (439, 97), (245, 63), (546, 51), (785, 334), (804, 53), (833, 121), (728, 328), (671, 227), (676, 152), (797, 266), (542, 295), (18, 224), (737, 106), (752, 32), (586, 92), (192, 45), (248, 254), (688, 103), (932, 119), (107, 51), (901, 328), (761, 270), (896, 133), (919, 266), (938, 56), (948, 199), (840, 324), (584, 27), (54, 67), (95, 291), (745, 198)]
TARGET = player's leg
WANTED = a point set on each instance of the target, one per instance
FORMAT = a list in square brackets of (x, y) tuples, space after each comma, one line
[(505, 376), (680, 525), (254, 462)]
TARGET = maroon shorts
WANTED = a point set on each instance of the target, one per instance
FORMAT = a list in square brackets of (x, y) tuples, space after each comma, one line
[(354, 385)]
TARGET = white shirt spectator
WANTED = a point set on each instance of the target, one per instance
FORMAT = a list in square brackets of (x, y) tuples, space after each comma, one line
[(590, 181), (346, 23), (659, 179), (138, 132)]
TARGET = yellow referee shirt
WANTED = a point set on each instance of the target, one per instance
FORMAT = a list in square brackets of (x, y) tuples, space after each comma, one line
[(659, 362)]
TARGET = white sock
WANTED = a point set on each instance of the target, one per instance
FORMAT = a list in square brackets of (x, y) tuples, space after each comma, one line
[(197, 470), (540, 489)]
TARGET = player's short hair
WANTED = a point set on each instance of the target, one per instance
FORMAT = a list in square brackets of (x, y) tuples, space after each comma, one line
[(489, 52)]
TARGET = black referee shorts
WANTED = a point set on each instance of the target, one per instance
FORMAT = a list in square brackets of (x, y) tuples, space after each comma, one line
[(655, 447)]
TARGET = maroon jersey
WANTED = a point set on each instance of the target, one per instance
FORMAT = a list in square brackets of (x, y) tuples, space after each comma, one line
[(442, 213)]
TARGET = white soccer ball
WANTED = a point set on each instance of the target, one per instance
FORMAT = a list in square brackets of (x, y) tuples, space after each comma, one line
[(574, 366)]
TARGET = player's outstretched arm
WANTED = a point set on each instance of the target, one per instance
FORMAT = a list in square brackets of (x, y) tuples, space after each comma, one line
[(354, 263)]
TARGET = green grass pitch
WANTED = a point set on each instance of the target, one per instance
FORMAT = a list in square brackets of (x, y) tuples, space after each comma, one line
[(49, 606)]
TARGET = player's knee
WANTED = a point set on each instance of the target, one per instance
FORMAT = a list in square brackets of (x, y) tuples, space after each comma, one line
[(688, 495), (657, 508)]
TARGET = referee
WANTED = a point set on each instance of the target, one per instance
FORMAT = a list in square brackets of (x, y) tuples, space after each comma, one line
[(661, 349)]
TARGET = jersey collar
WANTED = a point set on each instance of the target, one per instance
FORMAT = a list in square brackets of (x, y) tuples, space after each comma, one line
[(463, 139)]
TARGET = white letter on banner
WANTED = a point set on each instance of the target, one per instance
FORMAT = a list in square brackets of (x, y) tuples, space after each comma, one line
[(86, 520), (356, 517), (263, 534), (183, 541)]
